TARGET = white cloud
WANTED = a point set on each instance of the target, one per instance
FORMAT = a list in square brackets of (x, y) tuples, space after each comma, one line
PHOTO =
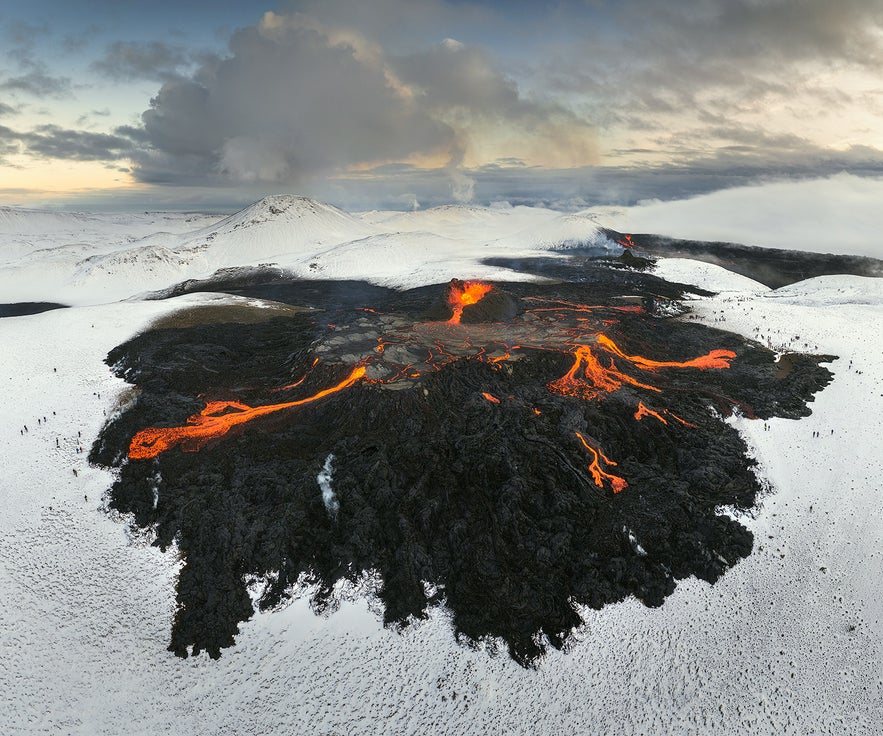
[(300, 98)]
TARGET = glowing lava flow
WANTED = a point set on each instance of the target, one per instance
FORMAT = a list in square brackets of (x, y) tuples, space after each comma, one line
[(599, 476), (587, 379), (713, 359), (290, 385), (599, 367), (464, 293), (643, 411), (682, 421), (212, 422)]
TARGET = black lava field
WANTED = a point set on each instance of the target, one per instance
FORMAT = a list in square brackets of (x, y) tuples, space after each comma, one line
[(512, 451)]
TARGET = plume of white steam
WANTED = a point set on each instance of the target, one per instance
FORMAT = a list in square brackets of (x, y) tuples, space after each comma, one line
[(251, 159), (410, 201), (329, 497), (462, 187)]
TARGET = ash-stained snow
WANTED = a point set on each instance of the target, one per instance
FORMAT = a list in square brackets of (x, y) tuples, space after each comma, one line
[(790, 641)]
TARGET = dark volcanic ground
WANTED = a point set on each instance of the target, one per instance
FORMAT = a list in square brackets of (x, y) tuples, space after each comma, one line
[(459, 469), (773, 267), (19, 309)]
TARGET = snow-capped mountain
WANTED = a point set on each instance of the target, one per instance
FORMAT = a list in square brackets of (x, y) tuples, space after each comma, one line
[(103, 259)]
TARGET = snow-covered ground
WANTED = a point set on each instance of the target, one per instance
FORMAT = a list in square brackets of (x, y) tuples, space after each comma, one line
[(838, 214), (790, 641), (96, 259)]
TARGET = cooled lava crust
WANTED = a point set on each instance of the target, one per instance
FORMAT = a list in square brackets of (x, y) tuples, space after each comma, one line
[(560, 446)]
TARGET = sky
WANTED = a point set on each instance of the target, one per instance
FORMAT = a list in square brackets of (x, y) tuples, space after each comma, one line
[(211, 104)]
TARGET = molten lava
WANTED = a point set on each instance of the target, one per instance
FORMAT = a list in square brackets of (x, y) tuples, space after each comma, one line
[(408, 351), (643, 411), (616, 483), (456, 476), (714, 359), (587, 378), (626, 241), (464, 293), (678, 419), (218, 418), (288, 386)]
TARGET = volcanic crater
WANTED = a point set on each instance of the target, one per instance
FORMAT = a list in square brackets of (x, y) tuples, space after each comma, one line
[(513, 451)]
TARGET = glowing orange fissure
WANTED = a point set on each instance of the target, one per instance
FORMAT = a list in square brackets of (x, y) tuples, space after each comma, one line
[(713, 359), (643, 411), (464, 293), (682, 421), (587, 379), (598, 475), (563, 305), (288, 386), (216, 420)]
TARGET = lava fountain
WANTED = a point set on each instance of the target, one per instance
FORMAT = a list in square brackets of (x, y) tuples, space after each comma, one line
[(463, 294)]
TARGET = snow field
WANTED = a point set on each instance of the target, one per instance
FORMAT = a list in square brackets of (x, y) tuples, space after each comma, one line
[(98, 259)]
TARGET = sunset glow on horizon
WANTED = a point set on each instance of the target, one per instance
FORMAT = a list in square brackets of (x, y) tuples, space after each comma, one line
[(434, 101)]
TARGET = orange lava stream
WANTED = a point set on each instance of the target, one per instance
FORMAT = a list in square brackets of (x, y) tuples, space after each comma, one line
[(643, 411), (616, 483), (563, 305), (678, 419), (290, 385), (464, 293), (211, 422), (587, 378), (714, 359)]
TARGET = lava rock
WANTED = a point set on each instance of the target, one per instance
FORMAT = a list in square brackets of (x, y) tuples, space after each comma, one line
[(472, 486)]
